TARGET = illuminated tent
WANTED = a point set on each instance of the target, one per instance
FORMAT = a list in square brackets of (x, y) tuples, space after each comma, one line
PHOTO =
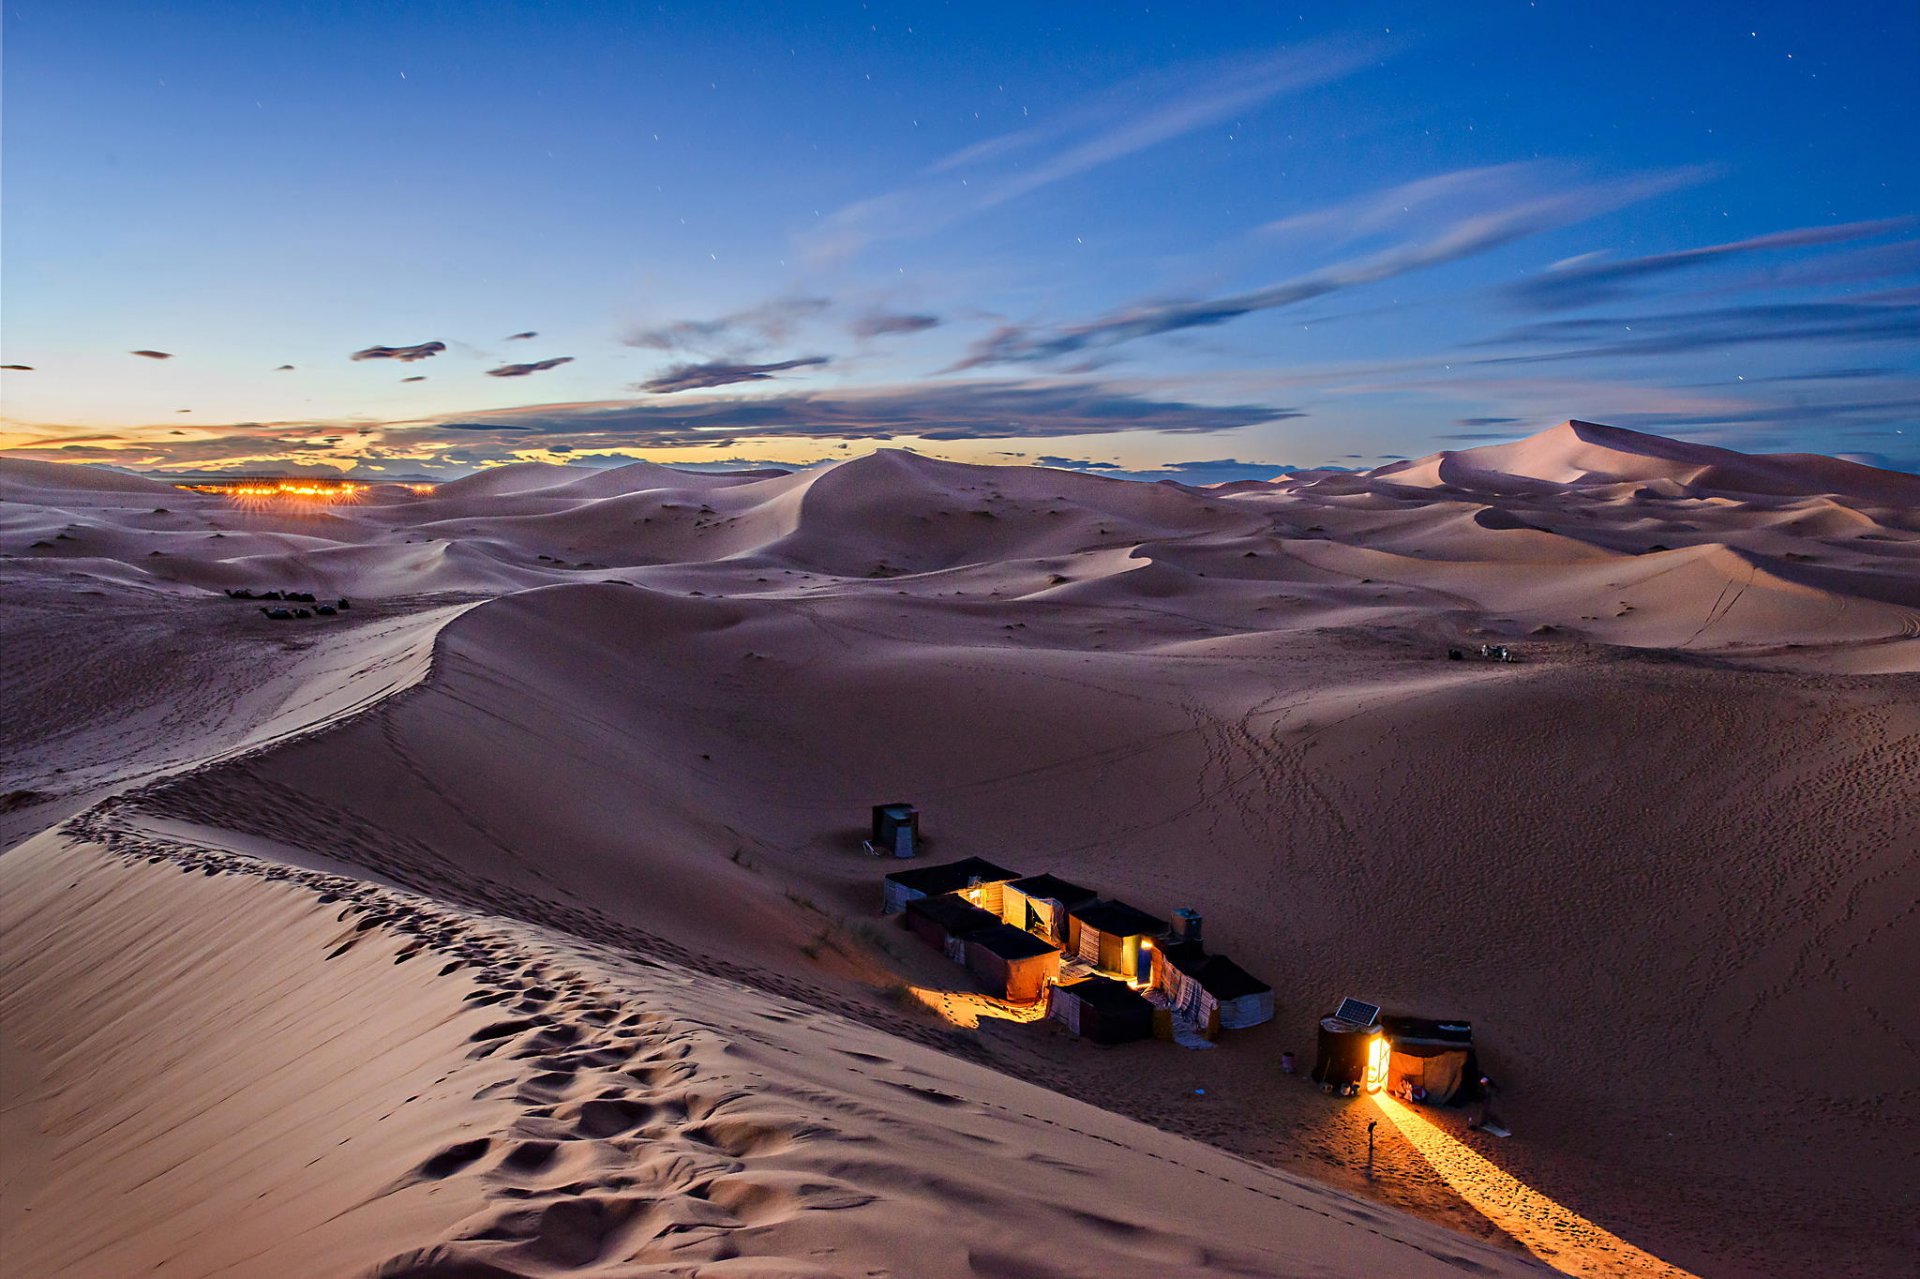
[(1436, 1056), (1012, 962), (1039, 904), (1115, 938), (969, 873), (1103, 1010), (1350, 1056), (945, 922)]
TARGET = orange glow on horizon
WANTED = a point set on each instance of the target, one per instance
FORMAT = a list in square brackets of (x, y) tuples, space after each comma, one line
[(266, 490)]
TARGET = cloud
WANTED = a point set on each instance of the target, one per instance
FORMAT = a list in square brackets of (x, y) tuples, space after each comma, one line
[(1484, 421), (418, 377), (1887, 317), (405, 354), (732, 336), (1500, 217), (520, 337), (1128, 119), (284, 368), (18, 368), (982, 410), (693, 377), (153, 355), (1592, 279), (1075, 464), (537, 366), (878, 323)]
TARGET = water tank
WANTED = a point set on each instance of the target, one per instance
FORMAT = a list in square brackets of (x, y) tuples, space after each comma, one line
[(1186, 924)]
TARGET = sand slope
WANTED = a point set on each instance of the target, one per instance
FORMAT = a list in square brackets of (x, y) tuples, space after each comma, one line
[(365, 1082)]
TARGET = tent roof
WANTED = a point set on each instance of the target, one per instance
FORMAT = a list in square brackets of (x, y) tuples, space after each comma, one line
[(1224, 979), (1107, 995), (1009, 942), (1188, 956), (1217, 975), (1419, 1029), (950, 877), (955, 914), (1055, 888), (1120, 919)]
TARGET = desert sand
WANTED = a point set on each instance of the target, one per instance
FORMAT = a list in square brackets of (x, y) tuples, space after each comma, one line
[(514, 922)]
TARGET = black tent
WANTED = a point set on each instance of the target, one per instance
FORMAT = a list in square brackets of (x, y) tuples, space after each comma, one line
[(903, 886), (1103, 1010), (941, 921)]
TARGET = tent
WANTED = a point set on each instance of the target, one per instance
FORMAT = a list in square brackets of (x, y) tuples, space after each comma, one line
[(1103, 1010), (1039, 904), (896, 829), (1244, 1000), (1012, 962), (969, 873), (1115, 938), (1435, 1057), (1350, 1056), (945, 922), (1209, 992)]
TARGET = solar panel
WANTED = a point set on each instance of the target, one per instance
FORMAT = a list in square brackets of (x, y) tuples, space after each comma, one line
[(1359, 1012)]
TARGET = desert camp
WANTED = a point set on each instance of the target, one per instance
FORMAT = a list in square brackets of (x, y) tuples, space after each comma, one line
[(1105, 970)]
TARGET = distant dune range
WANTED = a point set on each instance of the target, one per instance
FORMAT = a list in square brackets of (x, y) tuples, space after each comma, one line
[(581, 771)]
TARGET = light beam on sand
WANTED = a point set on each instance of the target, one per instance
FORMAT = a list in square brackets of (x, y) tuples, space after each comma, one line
[(1546, 1228), (967, 1009)]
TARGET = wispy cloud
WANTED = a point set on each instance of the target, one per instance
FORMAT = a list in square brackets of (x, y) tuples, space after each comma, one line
[(1889, 317), (1592, 279), (693, 377), (985, 410), (733, 335), (405, 354), (1497, 215), (878, 323), (536, 366), (1216, 471), (1131, 118)]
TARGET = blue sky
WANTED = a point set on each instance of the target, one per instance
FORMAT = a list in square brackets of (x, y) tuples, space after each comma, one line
[(1146, 237)]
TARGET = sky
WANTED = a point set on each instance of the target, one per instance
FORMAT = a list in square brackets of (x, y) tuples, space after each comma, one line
[(1191, 241)]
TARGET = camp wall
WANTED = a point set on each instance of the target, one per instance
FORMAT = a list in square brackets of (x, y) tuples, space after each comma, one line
[(896, 897), (1187, 998), (1039, 915), (1065, 1008), (1247, 1010), (991, 897), (1111, 952)]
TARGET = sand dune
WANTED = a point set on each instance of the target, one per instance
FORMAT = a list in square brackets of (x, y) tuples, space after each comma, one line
[(599, 744)]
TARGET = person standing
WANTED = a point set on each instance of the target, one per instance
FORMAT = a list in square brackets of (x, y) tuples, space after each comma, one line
[(1485, 1115)]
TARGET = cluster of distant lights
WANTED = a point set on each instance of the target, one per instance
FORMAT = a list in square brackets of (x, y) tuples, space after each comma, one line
[(261, 492)]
